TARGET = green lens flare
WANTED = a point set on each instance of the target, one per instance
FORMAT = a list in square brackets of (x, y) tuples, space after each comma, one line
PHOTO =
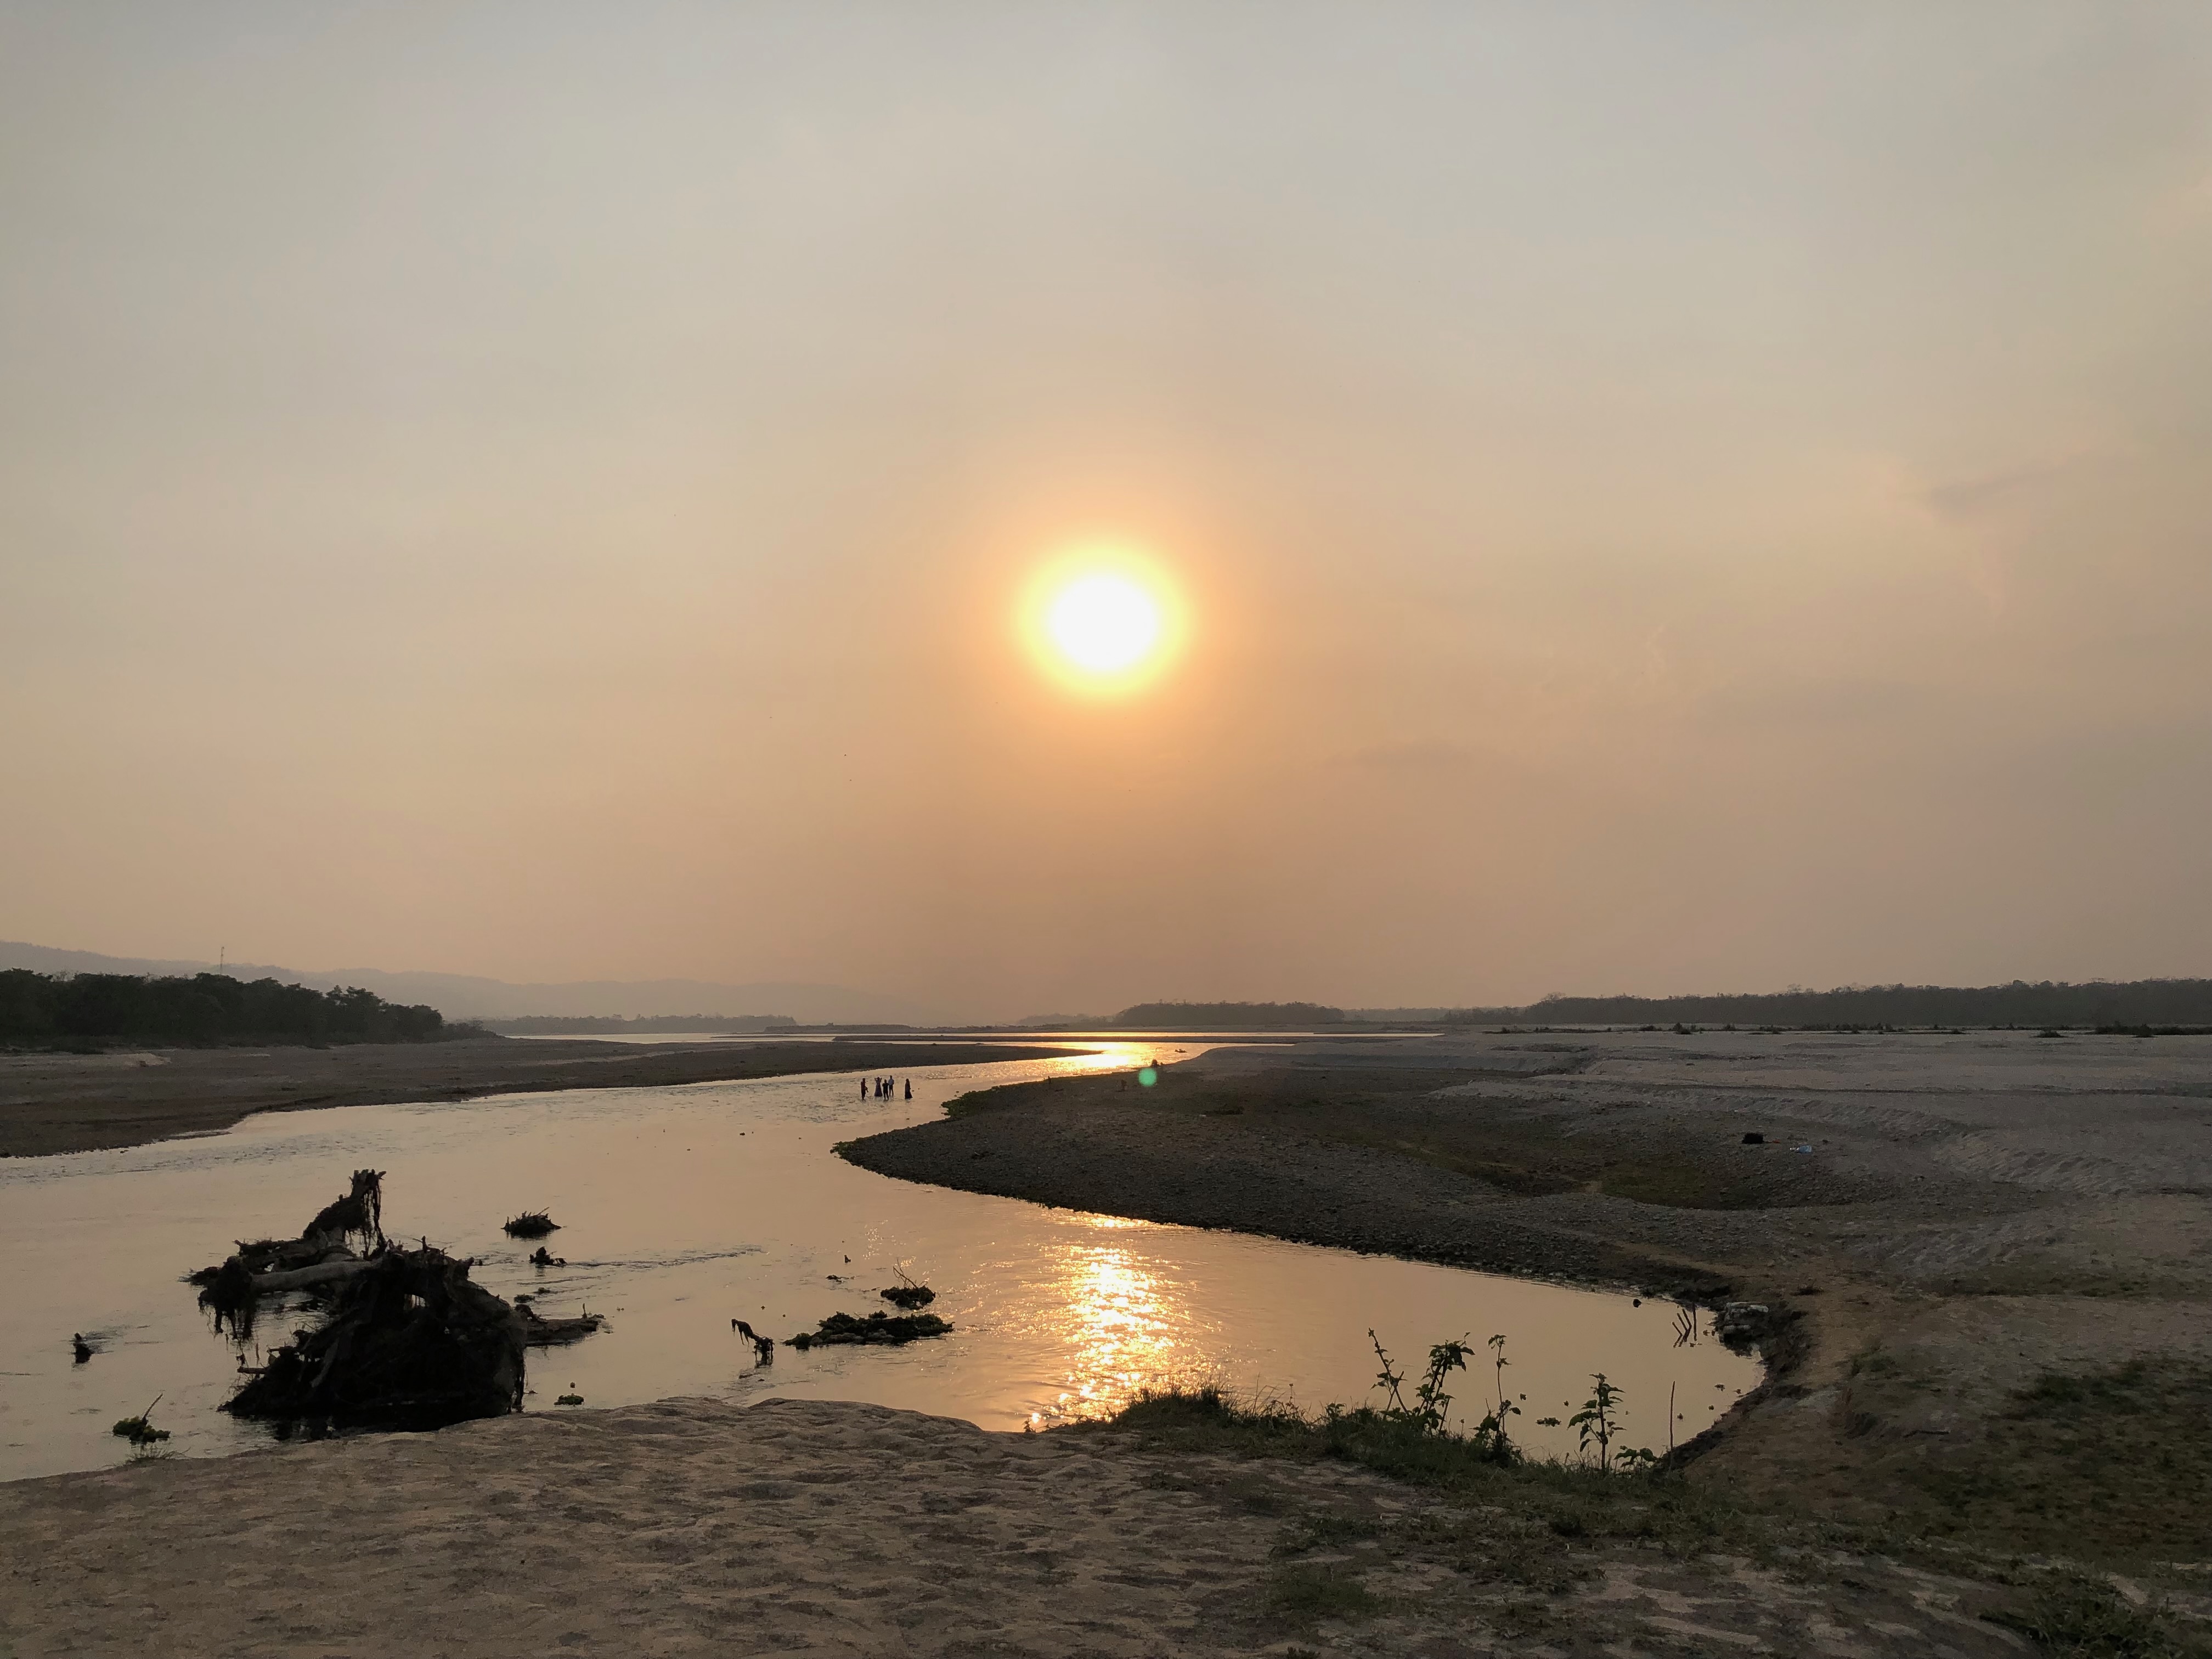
[(1148, 1077)]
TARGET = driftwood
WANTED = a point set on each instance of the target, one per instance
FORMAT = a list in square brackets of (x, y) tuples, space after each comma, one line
[(531, 1224), (361, 1210), (230, 1290), (299, 1279), (540, 1332), (410, 1343)]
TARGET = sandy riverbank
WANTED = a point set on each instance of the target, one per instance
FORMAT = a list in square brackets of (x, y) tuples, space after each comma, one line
[(59, 1103), (692, 1527), (1975, 1211)]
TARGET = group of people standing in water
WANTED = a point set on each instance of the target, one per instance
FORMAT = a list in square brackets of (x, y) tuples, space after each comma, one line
[(885, 1088)]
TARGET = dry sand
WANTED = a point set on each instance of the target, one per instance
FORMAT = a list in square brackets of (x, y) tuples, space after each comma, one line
[(696, 1528), (1977, 1209)]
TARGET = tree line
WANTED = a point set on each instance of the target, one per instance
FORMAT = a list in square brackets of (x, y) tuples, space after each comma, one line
[(617, 1025), (1226, 1015), (66, 1010), (2144, 1002)]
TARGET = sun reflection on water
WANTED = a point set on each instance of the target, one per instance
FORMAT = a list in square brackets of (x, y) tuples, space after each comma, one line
[(1120, 1322)]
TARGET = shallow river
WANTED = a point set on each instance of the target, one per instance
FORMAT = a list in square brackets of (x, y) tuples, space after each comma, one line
[(682, 1208)]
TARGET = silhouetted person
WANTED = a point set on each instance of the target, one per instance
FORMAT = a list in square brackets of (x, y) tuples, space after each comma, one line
[(80, 1348), (910, 1088)]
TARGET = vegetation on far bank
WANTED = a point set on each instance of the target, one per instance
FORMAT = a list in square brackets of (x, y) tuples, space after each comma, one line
[(621, 1026), (2143, 1008), (88, 1011), (2186, 1002), (1226, 1015)]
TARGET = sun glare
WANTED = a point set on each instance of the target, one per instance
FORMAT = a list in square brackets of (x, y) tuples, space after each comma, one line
[(1103, 625), (1104, 617)]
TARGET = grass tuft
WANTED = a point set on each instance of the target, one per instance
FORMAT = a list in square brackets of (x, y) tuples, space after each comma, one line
[(2082, 1618), (2109, 1467)]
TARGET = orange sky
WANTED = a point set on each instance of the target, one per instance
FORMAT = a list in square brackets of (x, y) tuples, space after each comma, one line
[(1663, 499)]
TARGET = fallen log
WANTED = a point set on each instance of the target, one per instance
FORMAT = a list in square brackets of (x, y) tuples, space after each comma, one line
[(540, 1332), (299, 1279)]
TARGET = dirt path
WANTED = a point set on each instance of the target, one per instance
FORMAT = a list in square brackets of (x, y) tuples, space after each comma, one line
[(58, 1103)]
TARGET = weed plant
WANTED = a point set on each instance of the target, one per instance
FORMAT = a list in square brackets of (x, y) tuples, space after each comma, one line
[(139, 1431)]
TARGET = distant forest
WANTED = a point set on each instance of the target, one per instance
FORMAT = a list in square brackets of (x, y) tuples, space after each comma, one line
[(210, 1010), (2131, 1004), (1227, 1016), (615, 1025), (2144, 1002)]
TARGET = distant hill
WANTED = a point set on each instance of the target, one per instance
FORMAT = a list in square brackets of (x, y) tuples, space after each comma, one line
[(466, 996), (1227, 1016)]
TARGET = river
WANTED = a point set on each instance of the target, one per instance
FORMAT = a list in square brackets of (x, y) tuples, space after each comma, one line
[(683, 1208)]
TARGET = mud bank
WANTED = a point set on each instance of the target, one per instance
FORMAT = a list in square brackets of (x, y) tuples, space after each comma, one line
[(58, 1103)]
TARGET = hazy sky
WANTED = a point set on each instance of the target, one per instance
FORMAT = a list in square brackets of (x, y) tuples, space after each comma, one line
[(1664, 497)]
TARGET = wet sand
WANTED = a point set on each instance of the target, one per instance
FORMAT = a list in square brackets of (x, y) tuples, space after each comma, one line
[(59, 1103), (694, 1527)]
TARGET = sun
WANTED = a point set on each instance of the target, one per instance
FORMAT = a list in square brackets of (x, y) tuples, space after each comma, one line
[(1104, 617), (1102, 624)]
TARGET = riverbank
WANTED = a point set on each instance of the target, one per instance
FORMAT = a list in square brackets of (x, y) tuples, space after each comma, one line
[(693, 1526), (63, 1103), (1950, 1232)]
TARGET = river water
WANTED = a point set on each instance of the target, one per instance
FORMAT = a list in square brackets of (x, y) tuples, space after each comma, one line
[(682, 1208)]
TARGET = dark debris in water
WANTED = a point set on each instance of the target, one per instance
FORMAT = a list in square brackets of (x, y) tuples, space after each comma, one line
[(409, 1343), (877, 1328)]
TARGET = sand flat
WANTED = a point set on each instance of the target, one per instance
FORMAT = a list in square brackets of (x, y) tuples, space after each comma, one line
[(681, 1528), (693, 1526)]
